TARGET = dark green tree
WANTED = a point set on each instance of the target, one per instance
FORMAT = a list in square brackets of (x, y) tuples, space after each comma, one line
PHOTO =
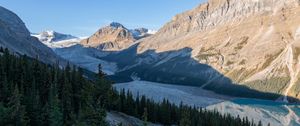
[(185, 119), (145, 117), (55, 113), (17, 113)]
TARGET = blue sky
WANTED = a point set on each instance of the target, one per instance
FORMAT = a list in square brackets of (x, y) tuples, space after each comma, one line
[(84, 17)]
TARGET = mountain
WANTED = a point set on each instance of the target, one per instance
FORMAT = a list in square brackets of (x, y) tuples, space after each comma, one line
[(15, 36), (57, 40), (52, 36), (223, 44), (114, 37)]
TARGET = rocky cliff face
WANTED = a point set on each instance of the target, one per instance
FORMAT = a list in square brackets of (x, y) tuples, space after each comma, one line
[(253, 42), (15, 36), (114, 37)]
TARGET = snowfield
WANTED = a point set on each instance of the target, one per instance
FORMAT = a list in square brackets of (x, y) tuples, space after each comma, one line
[(87, 58), (192, 96), (63, 43)]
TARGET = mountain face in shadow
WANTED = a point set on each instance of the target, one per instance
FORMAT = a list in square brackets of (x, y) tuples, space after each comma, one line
[(172, 67), (15, 36), (177, 67)]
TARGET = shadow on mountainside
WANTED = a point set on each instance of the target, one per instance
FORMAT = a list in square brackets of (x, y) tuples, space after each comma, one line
[(177, 67)]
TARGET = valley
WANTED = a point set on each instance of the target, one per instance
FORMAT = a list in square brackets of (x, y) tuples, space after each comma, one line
[(223, 62)]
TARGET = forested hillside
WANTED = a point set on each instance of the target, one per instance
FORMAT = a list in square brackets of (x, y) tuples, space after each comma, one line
[(34, 93)]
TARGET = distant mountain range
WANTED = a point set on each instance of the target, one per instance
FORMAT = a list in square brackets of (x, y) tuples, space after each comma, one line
[(240, 48), (232, 47)]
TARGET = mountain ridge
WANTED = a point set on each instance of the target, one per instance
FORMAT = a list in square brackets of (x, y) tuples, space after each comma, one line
[(16, 37)]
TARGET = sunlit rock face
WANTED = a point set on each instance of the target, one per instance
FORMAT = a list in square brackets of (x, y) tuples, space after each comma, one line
[(114, 37), (253, 42)]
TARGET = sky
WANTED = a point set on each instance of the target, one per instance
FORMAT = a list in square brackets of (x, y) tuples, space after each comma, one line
[(84, 17)]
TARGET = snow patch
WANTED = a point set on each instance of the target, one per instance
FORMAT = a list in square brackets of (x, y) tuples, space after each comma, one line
[(63, 43)]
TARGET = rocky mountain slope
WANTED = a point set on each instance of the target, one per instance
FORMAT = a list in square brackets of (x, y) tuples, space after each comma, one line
[(115, 37), (15, 36), (223, 44)]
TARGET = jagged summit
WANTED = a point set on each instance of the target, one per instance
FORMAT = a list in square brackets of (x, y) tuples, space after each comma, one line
[(116, 25)]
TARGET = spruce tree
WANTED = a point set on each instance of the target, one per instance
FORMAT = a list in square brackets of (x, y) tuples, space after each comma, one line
[(55, 114), (67, 100), (145, 117), (259, 123), (91, 113), (4, 112), (17, 112), (103, 88), (185, 119)]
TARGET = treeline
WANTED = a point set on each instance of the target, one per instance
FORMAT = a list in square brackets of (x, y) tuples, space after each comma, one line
[(34, 93), (167, 113)]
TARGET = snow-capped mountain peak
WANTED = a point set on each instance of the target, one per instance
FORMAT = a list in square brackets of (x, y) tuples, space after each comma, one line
[(57, 40), (52, 36)]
